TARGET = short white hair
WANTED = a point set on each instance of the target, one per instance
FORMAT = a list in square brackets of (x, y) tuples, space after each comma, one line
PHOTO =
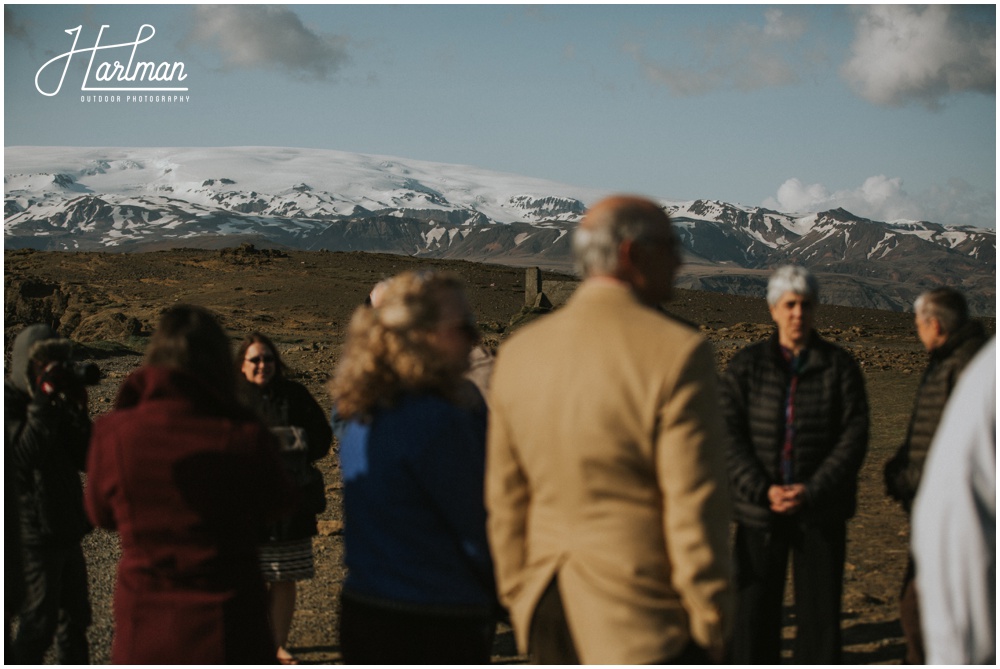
[(946, 305), (791, 279), (595, 251)]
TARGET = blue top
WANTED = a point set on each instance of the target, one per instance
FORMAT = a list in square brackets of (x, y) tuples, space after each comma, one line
[(415, 528)]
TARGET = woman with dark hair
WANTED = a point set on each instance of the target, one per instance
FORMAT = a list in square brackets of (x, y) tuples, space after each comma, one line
[(286, 556), (419, 588), (187, 477)]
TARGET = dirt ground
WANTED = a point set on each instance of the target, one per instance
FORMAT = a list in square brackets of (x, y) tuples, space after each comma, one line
[(109, 304)]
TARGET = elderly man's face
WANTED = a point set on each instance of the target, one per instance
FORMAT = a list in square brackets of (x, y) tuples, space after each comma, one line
[(929, 331), (793, 314), (657, 257)]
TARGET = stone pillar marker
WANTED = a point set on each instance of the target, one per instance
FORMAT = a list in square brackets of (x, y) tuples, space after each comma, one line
[(532, 284)]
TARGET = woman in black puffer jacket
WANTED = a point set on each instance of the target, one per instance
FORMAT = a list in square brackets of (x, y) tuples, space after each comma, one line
[(305, 436), (797, 431)]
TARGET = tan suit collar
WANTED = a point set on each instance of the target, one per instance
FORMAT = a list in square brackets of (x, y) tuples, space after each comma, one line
[(595, 286)]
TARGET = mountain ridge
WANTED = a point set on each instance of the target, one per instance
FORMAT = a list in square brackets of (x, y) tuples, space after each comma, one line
[(59, 198)]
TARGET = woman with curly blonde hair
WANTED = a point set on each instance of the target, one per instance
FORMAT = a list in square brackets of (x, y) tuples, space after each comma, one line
[(420, 585), (398, 346)]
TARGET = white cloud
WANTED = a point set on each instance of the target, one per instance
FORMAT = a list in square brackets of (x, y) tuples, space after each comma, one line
[(796, 197), (779, 25), (903, 53), (881, 198), (268, 37), (743, 57)]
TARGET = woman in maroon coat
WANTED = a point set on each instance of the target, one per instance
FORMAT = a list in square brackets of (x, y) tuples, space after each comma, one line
[(187, 478)]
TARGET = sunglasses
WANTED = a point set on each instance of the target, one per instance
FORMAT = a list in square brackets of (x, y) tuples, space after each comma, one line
[(260, 359)]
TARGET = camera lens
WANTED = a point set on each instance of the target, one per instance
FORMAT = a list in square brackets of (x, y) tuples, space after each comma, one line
[(88, 374)]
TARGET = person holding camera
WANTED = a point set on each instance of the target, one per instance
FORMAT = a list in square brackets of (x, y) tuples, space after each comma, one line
[(47, 431)]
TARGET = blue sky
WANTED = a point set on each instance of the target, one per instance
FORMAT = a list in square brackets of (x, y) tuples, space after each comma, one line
[(887, 111)]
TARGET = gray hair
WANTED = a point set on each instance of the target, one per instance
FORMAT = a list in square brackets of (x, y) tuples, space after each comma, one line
[(595, 248), (947, 305), (791, 279), (595, 251)]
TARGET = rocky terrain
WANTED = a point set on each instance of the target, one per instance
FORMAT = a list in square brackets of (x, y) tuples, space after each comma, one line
[(109, 304)]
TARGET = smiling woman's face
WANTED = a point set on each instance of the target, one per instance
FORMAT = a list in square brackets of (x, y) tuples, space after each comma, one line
[(258, 364)]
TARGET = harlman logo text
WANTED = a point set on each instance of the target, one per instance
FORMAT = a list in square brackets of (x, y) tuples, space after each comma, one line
[(107, 80)]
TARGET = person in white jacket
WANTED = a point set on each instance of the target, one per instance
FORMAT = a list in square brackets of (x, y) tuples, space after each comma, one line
[(954, 523)]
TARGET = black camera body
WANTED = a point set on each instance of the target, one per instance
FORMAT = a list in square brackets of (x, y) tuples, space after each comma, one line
[(60, 375), (56, 355), (56, 375), (85, 373)]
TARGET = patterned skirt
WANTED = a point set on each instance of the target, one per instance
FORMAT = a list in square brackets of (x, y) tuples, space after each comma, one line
[(286, 560)]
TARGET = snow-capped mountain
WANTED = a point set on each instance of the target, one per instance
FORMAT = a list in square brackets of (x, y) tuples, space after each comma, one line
[(759, 237), (249, 186), (144, 198)]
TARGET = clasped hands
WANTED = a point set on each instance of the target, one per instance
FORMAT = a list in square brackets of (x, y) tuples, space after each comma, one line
[(786, 499)]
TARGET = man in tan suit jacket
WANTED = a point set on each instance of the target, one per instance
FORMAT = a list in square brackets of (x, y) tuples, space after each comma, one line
[(606, 481)]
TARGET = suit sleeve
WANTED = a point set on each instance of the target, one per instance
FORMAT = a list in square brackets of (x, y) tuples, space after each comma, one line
[(691, 469), (507, 497)]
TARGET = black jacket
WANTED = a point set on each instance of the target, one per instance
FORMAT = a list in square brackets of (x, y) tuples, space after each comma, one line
[(47, 441), (831, 430), (904, 469), (286, 403)]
